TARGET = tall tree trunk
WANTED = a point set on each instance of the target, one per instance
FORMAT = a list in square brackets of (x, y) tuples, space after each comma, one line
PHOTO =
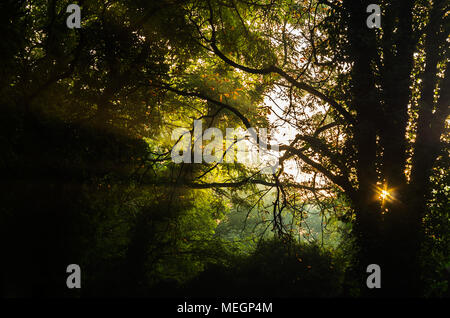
[(366, 102)]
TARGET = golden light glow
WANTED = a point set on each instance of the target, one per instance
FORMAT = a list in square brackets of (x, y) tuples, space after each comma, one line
[(384, 194)]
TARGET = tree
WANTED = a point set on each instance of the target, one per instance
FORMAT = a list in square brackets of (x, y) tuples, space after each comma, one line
[(386, 105), (77, 117), (96, 107)]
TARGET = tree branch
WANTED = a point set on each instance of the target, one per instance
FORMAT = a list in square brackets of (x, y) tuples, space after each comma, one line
[(274, 69)]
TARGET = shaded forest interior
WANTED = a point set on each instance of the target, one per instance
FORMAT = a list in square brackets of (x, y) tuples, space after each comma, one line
[(86, 140)]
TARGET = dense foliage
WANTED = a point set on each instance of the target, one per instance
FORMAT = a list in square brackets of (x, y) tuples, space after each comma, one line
[(86, 142)]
